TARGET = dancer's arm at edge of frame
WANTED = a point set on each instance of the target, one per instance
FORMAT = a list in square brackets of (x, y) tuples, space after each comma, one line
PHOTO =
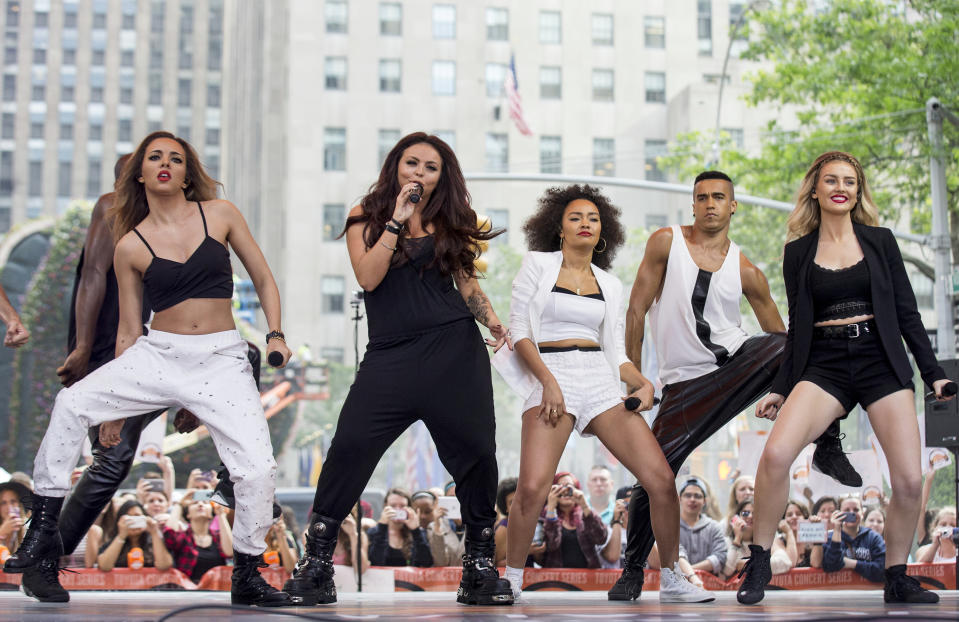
[(91, 290), (756, 290), (646, 288)]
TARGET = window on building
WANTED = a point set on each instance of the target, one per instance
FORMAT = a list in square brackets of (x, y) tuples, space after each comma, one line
[(654, 31), (334, 149), (95, 129), (13, 14), (335, 73), (447, 136), (736, 136), (184, 92), (334, 217), (124, 130), (66, 129), (654, 149), (213, 96), (444, 77), (444, 21), (155, 88), (386, 139), (67, 93), (336, 13), (656, 221), (495, 77), (391, 19), (497, 24), (704, 26), (332, 354), (9, 87), (41, 19), (126, 58), (603, 85), (604, 157), (10, 55), (497, 152), (129, 12), (69, 16), (333, 292), (212, 136), (39, 56), (391, 75), (656, 87), (64, 174), (6, 172), (7, 125), (35, 178), (550, 27), (602, 29), (550, 154), (36, 128), (738, 27), (500, 220), (38, 93), (550, 83)]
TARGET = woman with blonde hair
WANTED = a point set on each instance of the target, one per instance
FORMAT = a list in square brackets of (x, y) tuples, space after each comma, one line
[(173, 238), (942, 549), (850, 307)]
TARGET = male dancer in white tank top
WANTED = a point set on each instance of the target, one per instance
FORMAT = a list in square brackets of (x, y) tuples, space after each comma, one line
[(690, 282)]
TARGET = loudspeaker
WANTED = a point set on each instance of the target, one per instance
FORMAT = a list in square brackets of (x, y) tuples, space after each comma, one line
[(942, 418)]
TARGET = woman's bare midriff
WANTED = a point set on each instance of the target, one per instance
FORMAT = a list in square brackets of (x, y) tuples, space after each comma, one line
[(196, 316), (845, 320)]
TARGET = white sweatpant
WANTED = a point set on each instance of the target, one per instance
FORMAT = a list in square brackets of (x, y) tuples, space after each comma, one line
[(206, 374)]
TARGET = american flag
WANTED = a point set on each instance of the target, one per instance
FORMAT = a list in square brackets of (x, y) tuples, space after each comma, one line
[(515, 102)]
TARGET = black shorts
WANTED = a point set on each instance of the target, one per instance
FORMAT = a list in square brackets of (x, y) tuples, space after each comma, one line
[(852, 370)]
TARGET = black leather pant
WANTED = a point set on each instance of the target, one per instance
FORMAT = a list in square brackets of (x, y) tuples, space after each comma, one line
[(693, 410)]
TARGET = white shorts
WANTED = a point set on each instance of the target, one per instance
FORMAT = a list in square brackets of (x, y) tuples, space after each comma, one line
[(587, 382)]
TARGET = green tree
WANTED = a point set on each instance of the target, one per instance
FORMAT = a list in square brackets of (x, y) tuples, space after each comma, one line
[(857, 74)]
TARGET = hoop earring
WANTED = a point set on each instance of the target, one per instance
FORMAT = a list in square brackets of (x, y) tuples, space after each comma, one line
[(561, 242), (596, 250)]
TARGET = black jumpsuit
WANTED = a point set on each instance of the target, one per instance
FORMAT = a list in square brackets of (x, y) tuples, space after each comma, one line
[(426, 359)]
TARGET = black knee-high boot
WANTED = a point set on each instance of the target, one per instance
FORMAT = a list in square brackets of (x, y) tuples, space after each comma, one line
[(312, 580), (43, 538)]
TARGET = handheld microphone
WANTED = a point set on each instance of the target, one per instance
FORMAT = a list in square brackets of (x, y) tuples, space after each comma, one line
[(416, 193), (948, 390), (632, 403), (275, 359)]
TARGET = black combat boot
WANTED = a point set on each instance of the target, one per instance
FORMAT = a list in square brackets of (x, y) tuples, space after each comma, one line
[(481, 583), (758, 575), (901, 588), (312, 580), (249, 586), (629, 585), (43, 538), (829, 458), (43, 582)]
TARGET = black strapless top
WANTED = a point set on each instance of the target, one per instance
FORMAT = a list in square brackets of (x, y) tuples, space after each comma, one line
[(206, 273)]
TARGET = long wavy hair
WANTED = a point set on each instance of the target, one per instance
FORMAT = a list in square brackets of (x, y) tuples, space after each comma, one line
[(805, 217), (542, 229), (130, 205), (456, 232)]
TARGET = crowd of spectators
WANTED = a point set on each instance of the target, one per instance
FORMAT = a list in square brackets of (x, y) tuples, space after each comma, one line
[(155, 526)]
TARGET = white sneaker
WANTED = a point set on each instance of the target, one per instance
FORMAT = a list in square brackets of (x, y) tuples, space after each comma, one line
[(515, 583), (676, 588)]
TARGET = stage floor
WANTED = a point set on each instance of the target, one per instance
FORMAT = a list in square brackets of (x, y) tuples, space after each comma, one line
[(805, 606)]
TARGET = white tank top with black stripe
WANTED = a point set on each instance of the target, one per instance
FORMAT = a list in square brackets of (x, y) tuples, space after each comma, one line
[(696, 323)]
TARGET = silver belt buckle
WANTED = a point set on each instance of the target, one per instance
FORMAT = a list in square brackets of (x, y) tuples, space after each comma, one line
[(852, 334)]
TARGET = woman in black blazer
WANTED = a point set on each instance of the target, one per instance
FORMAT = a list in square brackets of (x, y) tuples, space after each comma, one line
[(850, 307)]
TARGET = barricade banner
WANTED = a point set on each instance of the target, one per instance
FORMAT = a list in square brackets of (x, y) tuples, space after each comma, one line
[(219, 577), (116, 579), (447, 579)]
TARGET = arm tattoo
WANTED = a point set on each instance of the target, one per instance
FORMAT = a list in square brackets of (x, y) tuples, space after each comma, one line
[(479, 305)]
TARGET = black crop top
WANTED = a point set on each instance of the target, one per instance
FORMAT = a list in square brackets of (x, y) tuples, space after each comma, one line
[(842, 293), (206, 273)]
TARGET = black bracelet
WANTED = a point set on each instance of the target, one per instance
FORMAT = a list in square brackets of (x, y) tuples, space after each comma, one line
[(276, 334), (393, 226)]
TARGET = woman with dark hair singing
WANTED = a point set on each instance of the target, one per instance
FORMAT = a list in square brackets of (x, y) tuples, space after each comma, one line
[(172, 236), (410, 239), (568, 322)]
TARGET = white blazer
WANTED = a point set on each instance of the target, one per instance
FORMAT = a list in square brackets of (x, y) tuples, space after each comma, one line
[(531, 288)]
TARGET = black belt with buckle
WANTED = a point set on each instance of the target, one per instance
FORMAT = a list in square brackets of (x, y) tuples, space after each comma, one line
[(845, 331)]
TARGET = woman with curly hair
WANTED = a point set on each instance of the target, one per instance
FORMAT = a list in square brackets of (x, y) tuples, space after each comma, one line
[(412, 241), (568, 326), (850, 308)]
